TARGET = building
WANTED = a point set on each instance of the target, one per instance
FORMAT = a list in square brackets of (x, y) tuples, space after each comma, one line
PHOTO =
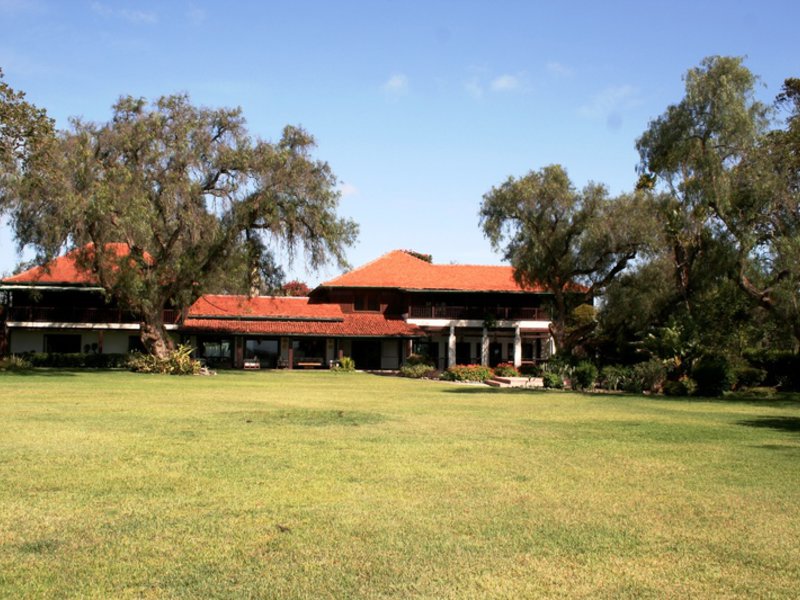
[(377, 314)]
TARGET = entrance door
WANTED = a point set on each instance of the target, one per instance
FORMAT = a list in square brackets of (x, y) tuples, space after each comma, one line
[(366, 354), (495, 354), (463, 353)]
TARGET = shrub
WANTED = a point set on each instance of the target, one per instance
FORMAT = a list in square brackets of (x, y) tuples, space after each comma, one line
[(417, 371), (418, 359), (646, 376), (530, 370), (675, 388), (346, 364), (713, 375), (748, 377), (467, 373), (614, 377), (583, 376), (782, 367), (552, 380), (15, 363), (178, 362), (506, 370)]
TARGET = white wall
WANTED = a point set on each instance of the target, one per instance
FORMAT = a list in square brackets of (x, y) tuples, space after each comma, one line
[(25, 341)]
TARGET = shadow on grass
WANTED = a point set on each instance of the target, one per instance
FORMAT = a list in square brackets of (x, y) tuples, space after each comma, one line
[(789, 424), (36, 372)]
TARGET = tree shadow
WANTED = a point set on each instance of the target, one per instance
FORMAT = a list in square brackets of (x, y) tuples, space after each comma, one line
[(789, 424), (39, 373)]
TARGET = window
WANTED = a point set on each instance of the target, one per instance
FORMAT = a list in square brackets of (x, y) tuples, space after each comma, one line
[(62, 343), (367, 302), (135, 344)]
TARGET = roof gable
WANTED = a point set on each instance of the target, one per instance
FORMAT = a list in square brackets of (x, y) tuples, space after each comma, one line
[(399, 269)]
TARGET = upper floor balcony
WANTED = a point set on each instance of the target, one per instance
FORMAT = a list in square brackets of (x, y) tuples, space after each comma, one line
[(481, 313), (80, 314)]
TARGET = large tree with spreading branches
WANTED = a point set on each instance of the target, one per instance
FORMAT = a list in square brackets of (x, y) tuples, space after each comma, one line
[(166, 198)]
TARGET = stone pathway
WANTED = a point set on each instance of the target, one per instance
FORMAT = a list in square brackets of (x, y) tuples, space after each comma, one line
[(516, 382)]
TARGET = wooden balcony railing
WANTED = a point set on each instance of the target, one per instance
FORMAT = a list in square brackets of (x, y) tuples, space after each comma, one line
[(77, 314), (501, 313)]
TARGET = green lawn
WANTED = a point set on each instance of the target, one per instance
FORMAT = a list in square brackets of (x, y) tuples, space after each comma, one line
[(307, 485)]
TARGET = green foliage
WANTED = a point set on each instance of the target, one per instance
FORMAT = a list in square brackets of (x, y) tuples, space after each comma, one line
[(713, 375), (675, 388), (530, 370), (346, 364), (177, 362), (748, 377), (15, 363), (506, 370), (552, 380), (583, 376), (647, 376), (77, 360), (418, 359), (615, 377), (467, 373), (553, 235), (417, 371), (782, 367), (191, 193)]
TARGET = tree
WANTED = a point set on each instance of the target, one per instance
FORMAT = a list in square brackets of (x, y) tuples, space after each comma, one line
[(165, 198), (725, 179), (295, 288), (572, 242)]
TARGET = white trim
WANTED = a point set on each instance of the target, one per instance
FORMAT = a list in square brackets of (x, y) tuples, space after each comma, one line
[(543, 325), (109, 326)]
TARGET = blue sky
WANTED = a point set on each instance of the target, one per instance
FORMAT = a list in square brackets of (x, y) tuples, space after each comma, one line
[(419, 107)]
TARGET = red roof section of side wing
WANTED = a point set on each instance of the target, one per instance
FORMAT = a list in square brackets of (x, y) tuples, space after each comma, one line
[(271, 315), (64, 269), (399, 269), (241, 307)]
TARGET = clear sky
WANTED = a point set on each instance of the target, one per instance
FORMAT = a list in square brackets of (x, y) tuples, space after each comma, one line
[(420, 107)]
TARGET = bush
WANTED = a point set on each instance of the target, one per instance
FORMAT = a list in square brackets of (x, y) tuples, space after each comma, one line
[(506, 370), (552, 380), (614, 377), (346, 364), (748, 377), (417, 371), (782, 367), (178, 362), (78, 360), (530, 370), (675, 388), (583, 376), (467, 373), (15, 363), (713, 375), (418, 359), (646, 376)]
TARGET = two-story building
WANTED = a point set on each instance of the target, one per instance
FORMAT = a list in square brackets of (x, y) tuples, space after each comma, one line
[(377, 314)]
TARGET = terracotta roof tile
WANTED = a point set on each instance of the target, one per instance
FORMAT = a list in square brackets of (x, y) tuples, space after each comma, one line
[(65, 269), (267, 315), (399, 269)]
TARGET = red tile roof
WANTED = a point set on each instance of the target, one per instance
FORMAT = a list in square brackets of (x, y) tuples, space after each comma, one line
[(65, 269), (268, 315), (399, 269)]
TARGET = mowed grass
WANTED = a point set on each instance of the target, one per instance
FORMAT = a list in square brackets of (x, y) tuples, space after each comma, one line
[(318, 485)]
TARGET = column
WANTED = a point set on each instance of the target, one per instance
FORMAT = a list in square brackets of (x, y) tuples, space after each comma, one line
[(517, 347), (485, 347), (451, 347)]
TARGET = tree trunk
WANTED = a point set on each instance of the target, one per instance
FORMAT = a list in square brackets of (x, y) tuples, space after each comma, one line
[(154, 336)]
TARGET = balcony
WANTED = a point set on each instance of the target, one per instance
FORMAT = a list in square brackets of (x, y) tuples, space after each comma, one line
[(77, 314), (500, 313)]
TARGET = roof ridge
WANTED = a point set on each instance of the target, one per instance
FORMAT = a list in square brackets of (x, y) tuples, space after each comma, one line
[(373, 261)]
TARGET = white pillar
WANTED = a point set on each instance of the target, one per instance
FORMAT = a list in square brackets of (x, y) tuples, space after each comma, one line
[(485, 347), (551, 346), (451, 347), (517, 347)]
